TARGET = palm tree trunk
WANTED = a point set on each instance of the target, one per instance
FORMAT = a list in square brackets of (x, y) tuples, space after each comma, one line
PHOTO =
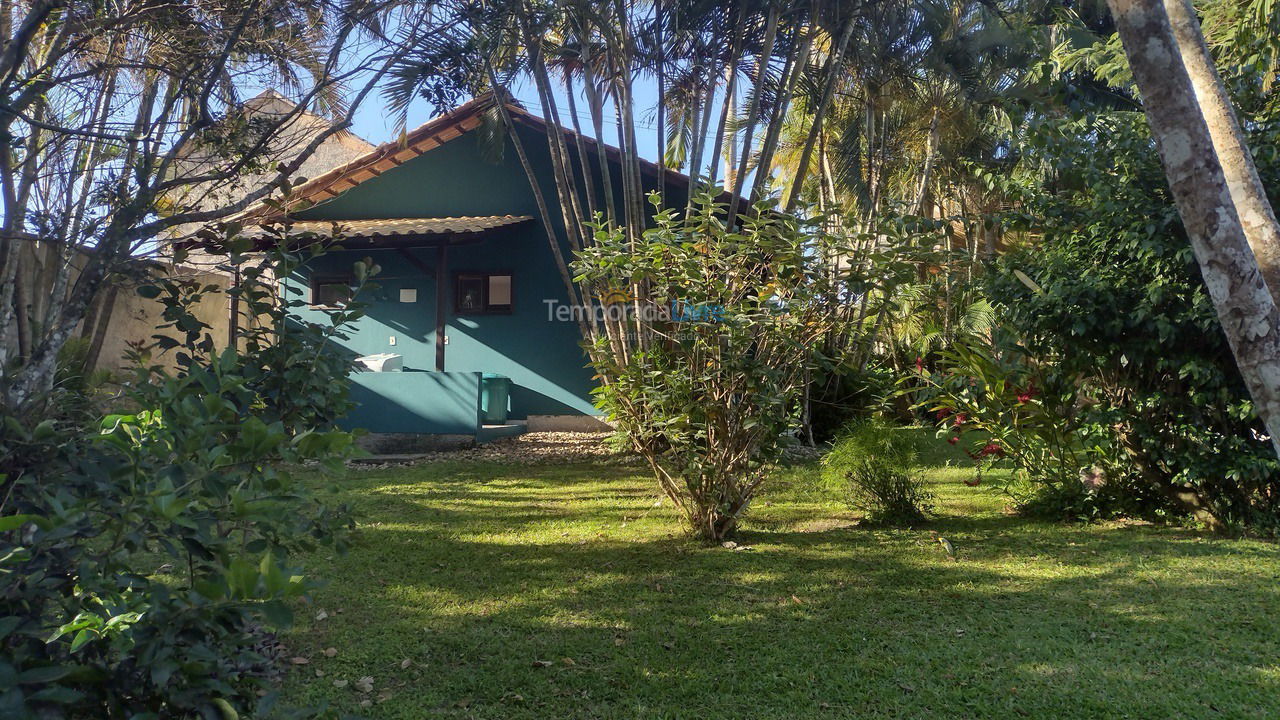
[(726, 106), (930, 150), (828, 90), (596, 105), (705, 105), (753, 110), (791, 73), (1212, 211), (544, 211), (1256, 215), (584, 162)]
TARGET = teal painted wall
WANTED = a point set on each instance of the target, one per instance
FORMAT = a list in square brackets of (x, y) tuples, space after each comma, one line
[(415, 402), (541, 355)]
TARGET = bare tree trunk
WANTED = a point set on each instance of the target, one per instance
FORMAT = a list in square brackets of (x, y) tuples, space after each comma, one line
[(753, 112), (1211, 209), (819, 113), (705, 105), (797, 63), (584, 160), (930, 151), (102, 322), (1250, 198), (726, 105)]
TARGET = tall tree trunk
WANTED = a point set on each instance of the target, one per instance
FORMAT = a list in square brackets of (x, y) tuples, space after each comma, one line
[(102, 322), (930, 151), (584, 160), (819, 113), (1213, 211), (753, 112), (1250, 198), (726, 105), (793, 70)]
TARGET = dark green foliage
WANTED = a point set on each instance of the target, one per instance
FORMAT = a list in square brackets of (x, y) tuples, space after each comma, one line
[(843, 394), (873, 467), (1008, 409), (146, 562), (1112, 304)]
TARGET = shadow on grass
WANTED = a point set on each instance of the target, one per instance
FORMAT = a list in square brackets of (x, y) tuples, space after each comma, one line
[(478, 575)]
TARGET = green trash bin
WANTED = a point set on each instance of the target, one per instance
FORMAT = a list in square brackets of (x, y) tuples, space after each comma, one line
[(494, 393)]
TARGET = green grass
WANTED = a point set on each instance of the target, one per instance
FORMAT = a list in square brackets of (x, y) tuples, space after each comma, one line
[(476, 572)]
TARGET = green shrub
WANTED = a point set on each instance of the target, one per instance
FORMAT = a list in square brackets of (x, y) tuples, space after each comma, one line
[(873, 467), (845, 394), (145, 562), (1109, 353), (731, 322)]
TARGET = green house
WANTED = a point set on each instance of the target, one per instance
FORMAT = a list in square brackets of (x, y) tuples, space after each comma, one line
[(469, 285)]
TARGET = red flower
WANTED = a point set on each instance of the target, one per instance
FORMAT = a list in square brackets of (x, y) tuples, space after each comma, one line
[(942, 413), (919, 364), (959, 420), (953, 439), (991, 449), (1025, 396)]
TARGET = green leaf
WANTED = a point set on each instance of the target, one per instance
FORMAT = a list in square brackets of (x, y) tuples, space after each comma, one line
[(41, 675), (13, 522), (82, 638), (228, 712), (278, 614), (59, 694)]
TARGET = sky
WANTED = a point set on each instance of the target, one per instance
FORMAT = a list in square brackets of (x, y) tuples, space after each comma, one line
[(375, 124)]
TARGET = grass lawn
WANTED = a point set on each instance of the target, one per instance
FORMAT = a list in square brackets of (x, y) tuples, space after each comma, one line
[(568, 591)]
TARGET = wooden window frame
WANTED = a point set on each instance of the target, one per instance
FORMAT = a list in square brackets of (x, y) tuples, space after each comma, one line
[(315, 281), (484, 275)]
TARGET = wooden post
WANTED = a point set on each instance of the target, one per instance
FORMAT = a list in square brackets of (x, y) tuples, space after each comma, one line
[(442, 297), (233, 322)]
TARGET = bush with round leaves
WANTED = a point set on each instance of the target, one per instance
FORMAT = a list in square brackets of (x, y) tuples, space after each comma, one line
[(146, 562)]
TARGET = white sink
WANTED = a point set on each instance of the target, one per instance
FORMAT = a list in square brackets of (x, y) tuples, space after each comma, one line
[(382, 362)]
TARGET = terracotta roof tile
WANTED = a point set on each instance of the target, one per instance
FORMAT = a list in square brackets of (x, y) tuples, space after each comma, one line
[(433, 134)]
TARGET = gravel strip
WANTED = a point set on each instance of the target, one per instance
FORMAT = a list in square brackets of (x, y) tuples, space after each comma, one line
[(528, 449)]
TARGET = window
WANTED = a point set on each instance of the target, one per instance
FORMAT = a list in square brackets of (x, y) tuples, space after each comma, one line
[(330, 291), (480, 293)]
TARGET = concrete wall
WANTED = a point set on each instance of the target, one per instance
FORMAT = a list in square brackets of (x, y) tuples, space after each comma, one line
[(136, 319), (118, 316)]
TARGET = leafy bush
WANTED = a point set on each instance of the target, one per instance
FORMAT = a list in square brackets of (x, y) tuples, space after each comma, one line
[(872, 466), (845, 394), (1107, 314), (145, 563), (1010, 409), (733, 321)]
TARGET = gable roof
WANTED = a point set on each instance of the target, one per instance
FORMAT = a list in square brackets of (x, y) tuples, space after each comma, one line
[(292, 129), (431, 135)]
